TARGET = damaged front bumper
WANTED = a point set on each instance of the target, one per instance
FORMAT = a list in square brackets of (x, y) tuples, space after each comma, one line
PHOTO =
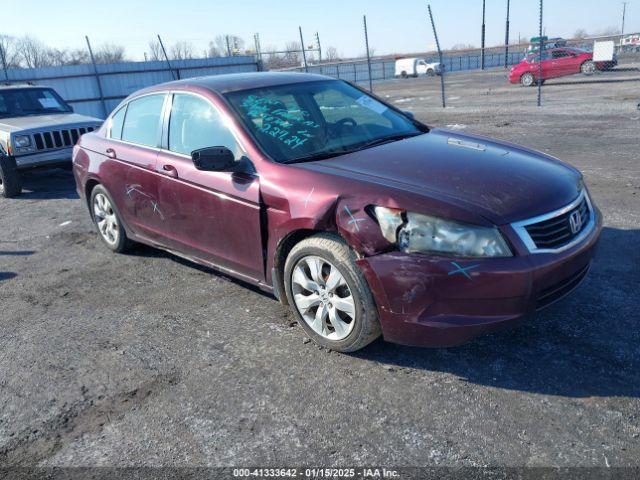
[(442, 301)]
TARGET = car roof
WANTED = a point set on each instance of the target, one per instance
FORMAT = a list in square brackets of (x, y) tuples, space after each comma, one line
[(12, 86), (238, 81)]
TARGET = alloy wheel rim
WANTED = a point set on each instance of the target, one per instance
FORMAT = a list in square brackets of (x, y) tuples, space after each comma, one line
[(323, 298), (106, 219)]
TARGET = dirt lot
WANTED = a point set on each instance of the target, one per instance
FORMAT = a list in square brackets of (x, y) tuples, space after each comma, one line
[(145, 359)]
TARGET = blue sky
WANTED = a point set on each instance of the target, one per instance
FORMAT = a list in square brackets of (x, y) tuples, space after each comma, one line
[(394, 25)]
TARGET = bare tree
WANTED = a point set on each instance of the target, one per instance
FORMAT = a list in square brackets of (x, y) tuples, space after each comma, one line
[(331, 54), (293, 55), (463, 46), (580, 33), (235, 45), (213, 50), (609, 31), (110, 53), (155, 50), (182, 50), (9, 47), (77, 56), (33, 53)]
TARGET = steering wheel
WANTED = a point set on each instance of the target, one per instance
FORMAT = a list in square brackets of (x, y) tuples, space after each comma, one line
[(343, 121)]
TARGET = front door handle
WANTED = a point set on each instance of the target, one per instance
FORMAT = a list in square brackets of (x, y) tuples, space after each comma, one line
[(170, 171), (111, 153)]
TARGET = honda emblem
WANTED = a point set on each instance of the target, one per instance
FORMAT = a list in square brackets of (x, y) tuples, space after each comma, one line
[(575, 222)]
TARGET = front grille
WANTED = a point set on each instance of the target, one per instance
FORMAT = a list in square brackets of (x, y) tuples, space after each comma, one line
[(59, 138), (561, 288), (557, 231)]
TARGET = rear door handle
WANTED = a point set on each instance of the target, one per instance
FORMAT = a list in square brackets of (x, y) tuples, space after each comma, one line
[(111, 153), (170, 171)]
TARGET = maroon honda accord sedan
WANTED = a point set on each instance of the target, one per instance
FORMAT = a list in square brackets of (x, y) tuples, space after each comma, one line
[(362, 219)]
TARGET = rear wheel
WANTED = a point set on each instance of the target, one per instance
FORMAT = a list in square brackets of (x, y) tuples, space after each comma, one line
[(107, 220), (527, 79), (10, 179), (330, 295), (404, 74), (588, 67)]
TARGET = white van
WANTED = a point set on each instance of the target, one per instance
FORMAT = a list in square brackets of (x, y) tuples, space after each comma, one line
[(413, 67)]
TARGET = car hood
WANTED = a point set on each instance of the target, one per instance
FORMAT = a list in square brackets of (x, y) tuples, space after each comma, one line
[(500, 181), (40, 122)]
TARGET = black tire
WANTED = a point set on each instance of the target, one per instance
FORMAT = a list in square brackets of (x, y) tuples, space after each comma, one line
[(588, 67), (404, 74), (122, 242), (527, 79), (332, 248), (431, 73), (10, 178)]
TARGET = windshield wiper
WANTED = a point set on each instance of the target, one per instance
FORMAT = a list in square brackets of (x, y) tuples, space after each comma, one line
[(361, 146), (391, 138)]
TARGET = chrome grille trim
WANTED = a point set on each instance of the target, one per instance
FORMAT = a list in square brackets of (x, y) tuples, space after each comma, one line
[(59, 138), (521, 227)]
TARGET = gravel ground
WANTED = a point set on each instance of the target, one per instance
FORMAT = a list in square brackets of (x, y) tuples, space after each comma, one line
[(147, 360)]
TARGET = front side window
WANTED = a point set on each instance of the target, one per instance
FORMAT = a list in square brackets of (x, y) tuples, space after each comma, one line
[(310, 120), (19, 102), (142, 120), (194, 124)]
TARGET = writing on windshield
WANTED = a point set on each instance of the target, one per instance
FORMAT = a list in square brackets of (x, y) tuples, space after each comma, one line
[(292, 128)]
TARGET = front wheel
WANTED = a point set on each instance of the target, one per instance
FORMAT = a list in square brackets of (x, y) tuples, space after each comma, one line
[(527, 80), (330, 295), (10, 179)]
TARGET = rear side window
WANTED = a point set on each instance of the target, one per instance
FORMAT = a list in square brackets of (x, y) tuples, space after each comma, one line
[(142, 122), (117, 121)]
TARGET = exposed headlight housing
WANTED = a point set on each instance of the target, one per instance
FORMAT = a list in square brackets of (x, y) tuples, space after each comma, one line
[(414, 232), (21, 141)]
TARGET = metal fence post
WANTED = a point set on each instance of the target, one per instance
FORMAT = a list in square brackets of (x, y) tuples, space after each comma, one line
[(541, 46), (482, 37), (366, 43), (304, 54), (4, 62), (435, 34), (166, 57), (506, 38), (95, 69), (319, 48)]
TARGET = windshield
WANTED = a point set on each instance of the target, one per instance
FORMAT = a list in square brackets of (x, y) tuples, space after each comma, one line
[(314, 120), (19, 102)]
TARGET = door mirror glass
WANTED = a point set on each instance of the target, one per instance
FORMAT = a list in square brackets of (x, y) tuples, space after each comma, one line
[(213, 159)]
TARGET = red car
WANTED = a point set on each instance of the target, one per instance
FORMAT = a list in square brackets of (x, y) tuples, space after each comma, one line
[(364, 220), (556, 62)]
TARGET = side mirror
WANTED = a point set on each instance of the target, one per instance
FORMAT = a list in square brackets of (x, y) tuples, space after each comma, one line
[(213, 159), (409, 114)]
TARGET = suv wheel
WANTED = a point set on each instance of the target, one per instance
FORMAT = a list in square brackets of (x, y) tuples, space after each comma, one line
[(10, 180), (107, 221), (330, 295)]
